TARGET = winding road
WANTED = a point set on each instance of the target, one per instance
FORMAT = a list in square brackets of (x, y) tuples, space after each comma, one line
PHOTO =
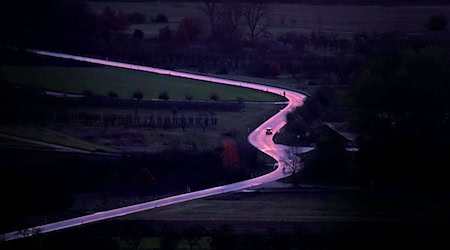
[(257, 138)]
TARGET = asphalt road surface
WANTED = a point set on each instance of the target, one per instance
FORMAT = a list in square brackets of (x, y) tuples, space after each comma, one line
[(257, 138)]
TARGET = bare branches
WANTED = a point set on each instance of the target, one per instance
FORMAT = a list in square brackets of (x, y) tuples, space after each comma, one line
[(293, 163), (254, 12), (232, 15), (212, 8), (226, 16)]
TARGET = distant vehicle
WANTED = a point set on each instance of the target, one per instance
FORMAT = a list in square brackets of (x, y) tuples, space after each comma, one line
[(269, 131)]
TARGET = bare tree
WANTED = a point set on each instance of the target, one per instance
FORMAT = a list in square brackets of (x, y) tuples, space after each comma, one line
[(232, 15), (254, 12), (212, 8), (293, 163)]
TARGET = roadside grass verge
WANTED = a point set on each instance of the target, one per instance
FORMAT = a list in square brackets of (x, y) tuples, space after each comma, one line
[(102, 79), (287, 82)]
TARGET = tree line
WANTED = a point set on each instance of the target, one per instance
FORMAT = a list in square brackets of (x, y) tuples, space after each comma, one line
[(144, 121), (398, 105)]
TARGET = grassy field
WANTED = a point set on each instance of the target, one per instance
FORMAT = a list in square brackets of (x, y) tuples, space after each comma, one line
[(101, 80), (304, 18), (299, 205), (50, 136), (11, 143)]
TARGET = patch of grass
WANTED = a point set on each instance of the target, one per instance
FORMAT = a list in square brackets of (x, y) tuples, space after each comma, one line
[(11, 143), (54, 137), (295, 205), (246, 208), (102, 80)]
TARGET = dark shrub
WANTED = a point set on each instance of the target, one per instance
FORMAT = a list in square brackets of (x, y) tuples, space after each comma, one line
[(437, 22), (161, 18), (223, 70), (112, 94), (214, 97), (87, 93), (138, 95), (165, 34), (275, 69), (259, 69), (138, 34), (189, 29), (164, 96), (136, 18)]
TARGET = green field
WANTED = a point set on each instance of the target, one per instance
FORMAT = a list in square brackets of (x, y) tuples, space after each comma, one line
[(101, 80), (269, 206), (303, 18), (50, 136), (11, 143)]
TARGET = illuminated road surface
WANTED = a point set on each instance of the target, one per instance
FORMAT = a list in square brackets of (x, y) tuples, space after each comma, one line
[(257, 138)]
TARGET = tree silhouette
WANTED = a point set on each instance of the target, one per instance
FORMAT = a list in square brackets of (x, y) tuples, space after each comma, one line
[(87, 93), (254, 11), (138, 34), (230, 155), (212, 8), (292, 163), (144, 178), (214, 97), (164, 96), (112, 94), (437, 23), (138, 95), (189, 29)]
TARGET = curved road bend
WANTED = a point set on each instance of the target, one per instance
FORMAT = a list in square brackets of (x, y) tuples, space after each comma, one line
[(257, 138)]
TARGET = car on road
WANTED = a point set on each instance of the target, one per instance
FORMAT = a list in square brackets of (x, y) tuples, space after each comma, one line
[(269, 131)]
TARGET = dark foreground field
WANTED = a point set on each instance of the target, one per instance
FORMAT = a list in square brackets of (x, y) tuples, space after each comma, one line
[(273, 218), (285, 208)]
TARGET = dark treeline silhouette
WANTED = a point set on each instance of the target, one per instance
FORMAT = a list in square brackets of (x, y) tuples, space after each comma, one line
[(224, 49), (403, 108), (315, 2), (398, 107)]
